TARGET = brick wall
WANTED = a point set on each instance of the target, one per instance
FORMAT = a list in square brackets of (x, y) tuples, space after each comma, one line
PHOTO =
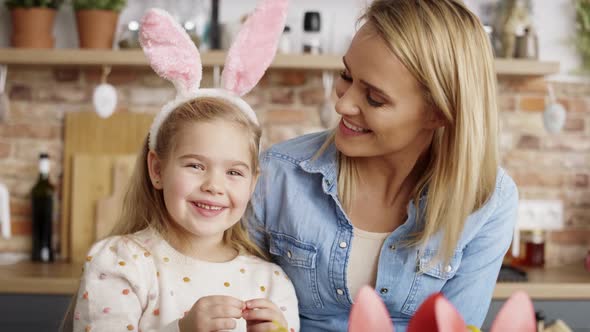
[(544, 166)]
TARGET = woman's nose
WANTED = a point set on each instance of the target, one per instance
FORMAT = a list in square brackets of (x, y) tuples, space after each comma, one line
[(347, 103), (212, 184)]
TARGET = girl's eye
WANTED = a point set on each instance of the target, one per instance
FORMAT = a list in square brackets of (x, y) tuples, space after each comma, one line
[(372, 102), (344, 75), (235, 173), (197, 166)]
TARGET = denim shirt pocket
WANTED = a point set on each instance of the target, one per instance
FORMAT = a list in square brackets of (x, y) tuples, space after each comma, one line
[(429, 279), (298, 260)]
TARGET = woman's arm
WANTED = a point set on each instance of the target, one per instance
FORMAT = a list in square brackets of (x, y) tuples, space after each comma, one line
[(471, 289)]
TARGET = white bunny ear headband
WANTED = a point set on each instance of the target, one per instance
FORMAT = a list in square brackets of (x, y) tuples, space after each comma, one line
[(174, 56)]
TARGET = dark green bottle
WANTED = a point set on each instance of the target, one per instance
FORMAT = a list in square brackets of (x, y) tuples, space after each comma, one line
[(42, 199)]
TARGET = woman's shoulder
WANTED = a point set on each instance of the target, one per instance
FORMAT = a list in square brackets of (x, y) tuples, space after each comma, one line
[(505, 186), (297, 149)]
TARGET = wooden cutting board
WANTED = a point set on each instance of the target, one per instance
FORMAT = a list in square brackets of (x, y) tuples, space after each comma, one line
[(108, 210), (86, 133), (92, 182)]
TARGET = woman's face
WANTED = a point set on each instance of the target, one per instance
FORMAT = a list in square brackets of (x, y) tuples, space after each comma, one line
[(381, 104)]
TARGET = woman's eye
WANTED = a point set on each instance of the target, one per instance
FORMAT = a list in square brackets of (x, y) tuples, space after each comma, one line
[(344, 75), (235, 173), (372, 102)]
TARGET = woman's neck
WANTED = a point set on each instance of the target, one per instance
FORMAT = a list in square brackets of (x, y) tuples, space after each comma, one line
[(391, 176), (211, 249)]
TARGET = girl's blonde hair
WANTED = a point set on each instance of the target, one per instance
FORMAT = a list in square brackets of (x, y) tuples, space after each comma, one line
[(144, 206), (447, 51)]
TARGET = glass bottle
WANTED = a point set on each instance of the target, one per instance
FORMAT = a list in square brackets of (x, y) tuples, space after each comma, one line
[(535, 249), (42, 200)]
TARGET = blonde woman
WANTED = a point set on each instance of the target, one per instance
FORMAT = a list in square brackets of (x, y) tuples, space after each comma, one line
[(406, 194)]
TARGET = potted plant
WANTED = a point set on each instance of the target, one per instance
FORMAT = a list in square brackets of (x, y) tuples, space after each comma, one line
[(97, 21), (32, 22), (583, 31)]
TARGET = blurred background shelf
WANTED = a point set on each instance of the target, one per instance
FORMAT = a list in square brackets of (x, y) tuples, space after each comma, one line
[(135, 58)]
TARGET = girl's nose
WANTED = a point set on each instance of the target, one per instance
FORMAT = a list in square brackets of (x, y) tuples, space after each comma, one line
[(212, 185)]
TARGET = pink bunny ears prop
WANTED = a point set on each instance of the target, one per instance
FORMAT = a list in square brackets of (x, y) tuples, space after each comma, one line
[(437, 314), (173, 56)]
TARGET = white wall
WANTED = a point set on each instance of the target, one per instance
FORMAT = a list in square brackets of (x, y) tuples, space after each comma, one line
[(554, 20)]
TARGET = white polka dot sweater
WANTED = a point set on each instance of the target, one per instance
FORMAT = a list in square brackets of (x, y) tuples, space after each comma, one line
[(139, 282)]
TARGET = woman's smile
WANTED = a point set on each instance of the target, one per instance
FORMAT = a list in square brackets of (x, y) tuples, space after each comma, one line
[(349, 129)]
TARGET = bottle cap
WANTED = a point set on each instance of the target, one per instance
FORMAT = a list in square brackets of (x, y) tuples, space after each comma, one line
[(311, 22), (43, 155), (287, 29)]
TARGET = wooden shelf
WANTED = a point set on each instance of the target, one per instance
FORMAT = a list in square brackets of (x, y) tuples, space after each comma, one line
[(569, 282), (135, 58)]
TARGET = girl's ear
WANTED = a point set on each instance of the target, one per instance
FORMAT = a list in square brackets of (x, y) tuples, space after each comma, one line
[(154, 166)]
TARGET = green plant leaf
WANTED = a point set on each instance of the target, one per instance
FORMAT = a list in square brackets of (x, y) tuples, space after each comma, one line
[(114, 5)]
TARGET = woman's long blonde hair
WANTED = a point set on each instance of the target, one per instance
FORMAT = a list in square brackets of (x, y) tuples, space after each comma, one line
[(447, 51), (144, 206)]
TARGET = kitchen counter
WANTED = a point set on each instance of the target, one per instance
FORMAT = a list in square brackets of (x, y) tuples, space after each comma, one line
[(569, 282)]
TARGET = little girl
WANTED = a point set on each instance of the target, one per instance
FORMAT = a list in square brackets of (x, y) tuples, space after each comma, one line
[(181, 259)]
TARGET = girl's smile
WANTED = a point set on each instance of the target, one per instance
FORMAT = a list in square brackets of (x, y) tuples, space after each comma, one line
[(208, 209)]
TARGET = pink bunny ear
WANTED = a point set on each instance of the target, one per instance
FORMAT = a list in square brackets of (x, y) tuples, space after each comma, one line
[(170, 51), (255, 46), (369, 313), (437, 314), (517, 314)]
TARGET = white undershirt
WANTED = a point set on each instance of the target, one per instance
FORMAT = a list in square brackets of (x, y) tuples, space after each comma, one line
[(364, 259)]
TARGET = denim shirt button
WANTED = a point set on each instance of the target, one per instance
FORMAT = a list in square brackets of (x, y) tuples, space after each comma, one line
[(448, 269), (343, 245), (392, 247), (340, 291), (327, 182), (384, 290), (289, 254)]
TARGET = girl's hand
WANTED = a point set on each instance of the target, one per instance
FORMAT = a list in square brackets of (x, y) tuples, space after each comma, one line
[(262, 315), (212, 313)]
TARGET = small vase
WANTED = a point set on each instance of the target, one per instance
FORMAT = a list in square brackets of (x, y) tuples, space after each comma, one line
[(32, 27), (96, 28)]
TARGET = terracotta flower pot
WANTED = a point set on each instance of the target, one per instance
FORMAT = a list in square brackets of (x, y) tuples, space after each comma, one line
[(96, 28), (32, 27)]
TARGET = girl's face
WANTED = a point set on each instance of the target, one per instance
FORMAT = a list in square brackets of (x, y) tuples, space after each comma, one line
[(208, 178), (381, 104)]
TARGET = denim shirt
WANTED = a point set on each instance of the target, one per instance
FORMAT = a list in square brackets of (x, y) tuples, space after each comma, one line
[(297, 217)]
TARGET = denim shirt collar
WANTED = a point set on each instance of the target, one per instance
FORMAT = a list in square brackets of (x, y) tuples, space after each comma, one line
[(325, 164)]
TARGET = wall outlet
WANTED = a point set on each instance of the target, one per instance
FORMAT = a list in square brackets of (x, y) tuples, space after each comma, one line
[(540, 214)]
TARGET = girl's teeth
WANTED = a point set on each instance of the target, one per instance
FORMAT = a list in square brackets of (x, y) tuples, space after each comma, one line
[(208, 207), (355, 128)]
